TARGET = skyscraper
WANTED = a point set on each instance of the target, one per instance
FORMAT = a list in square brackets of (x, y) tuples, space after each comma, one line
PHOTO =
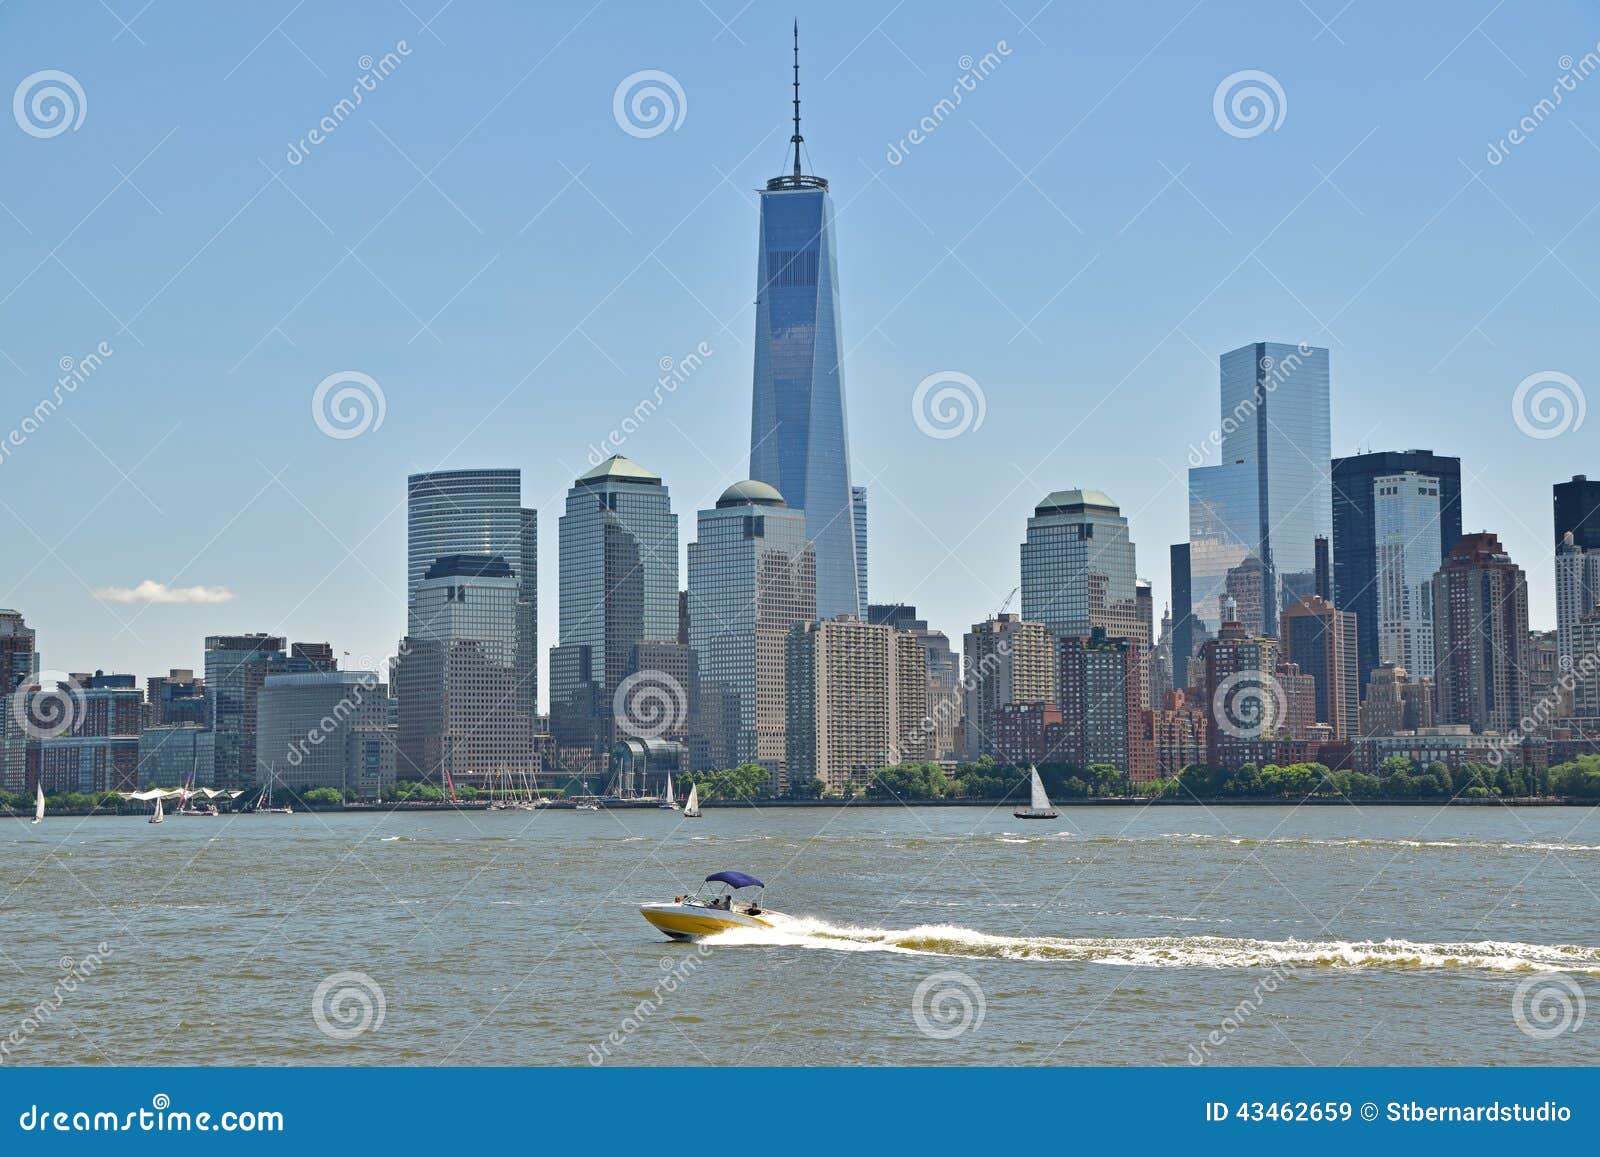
[(1577, 594), (1577, 508), (1405, 516), (1078, 567), (1182, 615), (236, 668), (799, 443), (457, 512), (462, 715), (1480, 616), (1356, 502), (1322, 642), (752, 577), (619, 588), (18, 658), (1004, 660), (1103, 716), (858, 510), (857, 699), (1269, 497), (338, 707)]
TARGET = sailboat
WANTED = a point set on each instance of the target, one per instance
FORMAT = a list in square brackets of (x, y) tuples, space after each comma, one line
[(1039, 807), (691, 810), (669, 802), (160, 813), (38, 802)]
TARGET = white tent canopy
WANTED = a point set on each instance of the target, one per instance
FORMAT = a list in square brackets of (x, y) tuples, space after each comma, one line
[(173, 793)]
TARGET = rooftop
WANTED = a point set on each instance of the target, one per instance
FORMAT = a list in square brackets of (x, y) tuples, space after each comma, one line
[(619, 469)]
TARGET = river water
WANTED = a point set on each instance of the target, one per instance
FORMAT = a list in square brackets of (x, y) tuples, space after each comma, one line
[(1166, 935)]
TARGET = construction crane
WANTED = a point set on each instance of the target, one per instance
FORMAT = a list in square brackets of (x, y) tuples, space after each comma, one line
[(1007, 603)]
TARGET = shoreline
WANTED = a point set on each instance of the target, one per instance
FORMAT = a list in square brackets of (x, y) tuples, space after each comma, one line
[(760, 804)]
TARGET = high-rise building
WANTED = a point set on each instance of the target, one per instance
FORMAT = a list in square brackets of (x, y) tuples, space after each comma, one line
[(619, 588), (1358, 506), (858, 512), (170, 752), (236, 667), (1577, 592), (1078, 567), (1183, 641), (462, 716), (1405, 517), (1268, 497), (1577, 508), (1102, 709), (1322, 642), (857, 698), (1004, 660), (174, 698), (799, 442), (99, 751), (1480, 628), (313, 730), (1244, 699), (1178, 733), (944, 676), (479, 511), (752, 577), (19, 660)]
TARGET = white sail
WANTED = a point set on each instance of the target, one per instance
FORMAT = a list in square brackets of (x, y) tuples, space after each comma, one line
[(670, 796), (160, 812), (692, 808), (38, 802), (1041, 802)]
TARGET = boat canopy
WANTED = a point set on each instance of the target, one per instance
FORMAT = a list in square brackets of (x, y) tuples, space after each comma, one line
[(734, 880)]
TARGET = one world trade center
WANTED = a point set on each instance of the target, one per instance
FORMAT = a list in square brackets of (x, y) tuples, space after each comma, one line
[(798, 438)]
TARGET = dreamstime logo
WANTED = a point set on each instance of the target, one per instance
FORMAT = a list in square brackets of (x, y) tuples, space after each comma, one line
[(1248, 704), (1248, 103), (1548, 404), (348, 1004), (948, 404), (674, 372), (1545, 1007), (649, 704), (649, 102), (947, 1005), (48, 103), (51, 708), (348, 404), (973, 72), (73, 973)]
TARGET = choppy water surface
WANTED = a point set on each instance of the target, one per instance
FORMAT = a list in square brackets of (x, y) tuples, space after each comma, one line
[(918, 936)]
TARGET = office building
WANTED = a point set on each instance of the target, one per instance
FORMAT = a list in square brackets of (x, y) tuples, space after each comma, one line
[(313, 731), (1577, 509), (1480, 630), (1183, 640), (236, 667), (99, 751), (858, 512), (462, 717), (1395, 702), (170, 752), (1322, 642), (619, 588), (1358, 507), (1103, 710), (1577, 592), (1078, 567), (174, 698), (479, 511), (752, 577), (799, 441)]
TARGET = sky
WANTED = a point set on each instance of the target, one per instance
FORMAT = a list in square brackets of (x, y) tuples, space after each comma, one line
[(498, 252)]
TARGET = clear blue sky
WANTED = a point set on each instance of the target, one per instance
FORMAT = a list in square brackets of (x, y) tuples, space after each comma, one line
[(1079, 236)]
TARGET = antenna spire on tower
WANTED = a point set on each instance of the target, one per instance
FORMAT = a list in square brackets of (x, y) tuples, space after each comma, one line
[(797, 139)]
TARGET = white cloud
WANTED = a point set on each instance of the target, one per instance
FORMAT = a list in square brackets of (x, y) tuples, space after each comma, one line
[(151, 591)]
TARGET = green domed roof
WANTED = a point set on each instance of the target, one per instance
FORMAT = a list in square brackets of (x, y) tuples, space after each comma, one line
[(750, 492)]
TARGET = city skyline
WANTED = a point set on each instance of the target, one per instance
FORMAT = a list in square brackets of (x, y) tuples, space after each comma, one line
[(248, 521)]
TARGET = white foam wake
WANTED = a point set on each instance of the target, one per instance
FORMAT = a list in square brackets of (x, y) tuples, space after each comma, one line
[(1171, 951)]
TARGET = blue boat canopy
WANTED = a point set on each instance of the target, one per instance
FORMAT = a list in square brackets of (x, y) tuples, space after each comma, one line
[(734, 880)]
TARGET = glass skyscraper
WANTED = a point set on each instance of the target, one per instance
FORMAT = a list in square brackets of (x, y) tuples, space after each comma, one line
[(619, 588), (858, 507), (457, 512), (752, 577), (1078, 567), (1405, 511), (1355, 535), (798, 438), (1254, 518)]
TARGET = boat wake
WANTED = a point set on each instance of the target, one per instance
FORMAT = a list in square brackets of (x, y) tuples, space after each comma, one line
[(1171, 951)]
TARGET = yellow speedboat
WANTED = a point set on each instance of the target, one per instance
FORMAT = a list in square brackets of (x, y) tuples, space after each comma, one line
[(708, 912)]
